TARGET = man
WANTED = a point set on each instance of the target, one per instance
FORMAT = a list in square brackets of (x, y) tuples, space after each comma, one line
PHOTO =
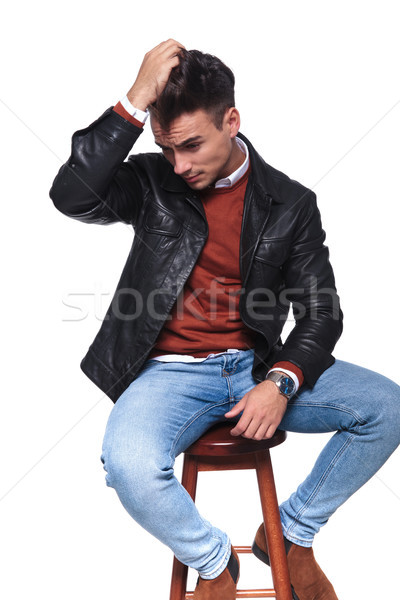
[(223, 245)]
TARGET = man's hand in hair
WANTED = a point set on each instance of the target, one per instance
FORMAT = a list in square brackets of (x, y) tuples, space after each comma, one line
[(154, 73)]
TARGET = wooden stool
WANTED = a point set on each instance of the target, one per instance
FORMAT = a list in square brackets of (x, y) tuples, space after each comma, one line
[(218, 450)]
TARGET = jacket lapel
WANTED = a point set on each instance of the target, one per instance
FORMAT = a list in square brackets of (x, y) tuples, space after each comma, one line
[(260, 193), (257, 206), (175, 184)]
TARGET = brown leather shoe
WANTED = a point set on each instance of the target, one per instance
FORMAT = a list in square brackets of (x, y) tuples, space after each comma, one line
[(222, 587), (308, 580)]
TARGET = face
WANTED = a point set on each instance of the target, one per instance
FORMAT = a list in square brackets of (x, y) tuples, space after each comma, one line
[(199, 152)]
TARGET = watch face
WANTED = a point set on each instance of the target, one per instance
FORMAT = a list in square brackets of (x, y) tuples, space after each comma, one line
[(286, 386)]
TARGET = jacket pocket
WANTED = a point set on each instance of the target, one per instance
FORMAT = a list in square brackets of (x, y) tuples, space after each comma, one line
[(273, 251), (162, 223)]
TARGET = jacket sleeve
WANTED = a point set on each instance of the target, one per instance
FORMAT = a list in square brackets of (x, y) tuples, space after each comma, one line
[(310, 286), (95, 185)]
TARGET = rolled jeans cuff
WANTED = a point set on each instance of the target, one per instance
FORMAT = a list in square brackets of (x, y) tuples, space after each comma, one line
[(222, 565)]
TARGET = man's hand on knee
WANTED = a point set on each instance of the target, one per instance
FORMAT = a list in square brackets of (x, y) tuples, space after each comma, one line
[(263, 409), (154, 73)]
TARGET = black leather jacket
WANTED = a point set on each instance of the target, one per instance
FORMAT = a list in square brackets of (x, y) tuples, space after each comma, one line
[(282, 254)]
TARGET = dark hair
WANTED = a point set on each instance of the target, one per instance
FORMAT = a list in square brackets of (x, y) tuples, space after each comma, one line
[(200, 81)]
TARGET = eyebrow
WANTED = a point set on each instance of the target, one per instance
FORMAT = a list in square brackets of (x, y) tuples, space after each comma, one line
[(195, 138)]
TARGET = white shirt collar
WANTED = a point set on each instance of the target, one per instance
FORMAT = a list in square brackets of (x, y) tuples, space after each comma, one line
[(236, 175)]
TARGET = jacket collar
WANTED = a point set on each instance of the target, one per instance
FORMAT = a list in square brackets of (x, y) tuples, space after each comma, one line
[(172, 182), (262, 173)]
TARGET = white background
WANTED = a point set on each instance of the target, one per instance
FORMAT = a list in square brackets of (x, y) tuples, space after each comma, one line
[(319, 94)]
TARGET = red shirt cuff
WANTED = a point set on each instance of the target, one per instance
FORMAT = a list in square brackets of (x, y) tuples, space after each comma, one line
[(283, 364), (119, 109)]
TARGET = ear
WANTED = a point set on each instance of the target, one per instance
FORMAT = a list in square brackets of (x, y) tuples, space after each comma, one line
[(232, 119)]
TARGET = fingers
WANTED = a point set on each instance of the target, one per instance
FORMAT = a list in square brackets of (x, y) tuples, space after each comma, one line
[(167, 44), (262, 410), (247, 424), (254, 423), (165, 53), (242, 427), (270, 432), (251, 428), (154, 73), (237, 409)]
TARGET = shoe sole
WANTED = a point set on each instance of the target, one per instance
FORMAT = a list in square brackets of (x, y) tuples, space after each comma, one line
[(261, 555)]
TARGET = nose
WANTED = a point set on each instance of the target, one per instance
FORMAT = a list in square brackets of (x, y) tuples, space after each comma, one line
[(182, 166)]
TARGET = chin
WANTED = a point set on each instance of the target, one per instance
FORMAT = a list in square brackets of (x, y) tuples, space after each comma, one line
[(198, 185), (203, 184)]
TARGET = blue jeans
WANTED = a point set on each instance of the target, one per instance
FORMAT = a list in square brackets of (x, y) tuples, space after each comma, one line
[(170, 405)]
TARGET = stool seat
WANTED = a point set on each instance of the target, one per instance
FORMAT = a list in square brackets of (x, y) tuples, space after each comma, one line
[(218, 441)]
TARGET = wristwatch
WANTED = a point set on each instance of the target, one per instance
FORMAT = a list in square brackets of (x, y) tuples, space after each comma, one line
[(284, 383)]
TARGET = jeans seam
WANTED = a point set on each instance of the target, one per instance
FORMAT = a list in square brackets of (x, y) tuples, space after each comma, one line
[(230, 391), (321, 481), (190, 422), (340, 407)]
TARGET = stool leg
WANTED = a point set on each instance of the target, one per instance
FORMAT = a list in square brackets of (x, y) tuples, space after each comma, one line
[(273, 526), (179, 570)]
